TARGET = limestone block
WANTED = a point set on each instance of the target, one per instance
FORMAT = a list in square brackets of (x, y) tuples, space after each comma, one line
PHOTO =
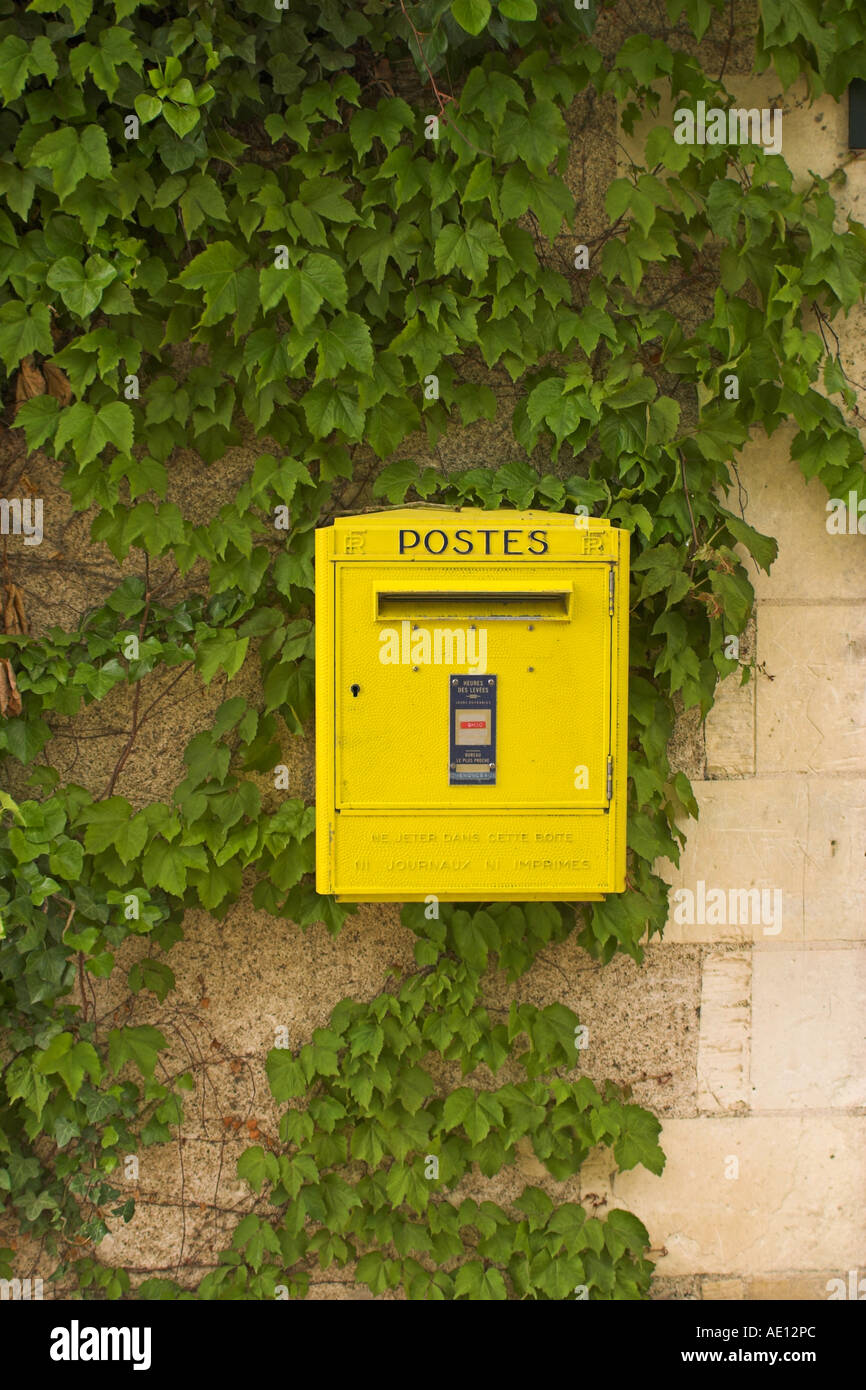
[(795, 1204), (808, 1032), (723, 1049), (730, 730), (805, 837), (812, 564), (750, 835), (811, 717), (835, 862)]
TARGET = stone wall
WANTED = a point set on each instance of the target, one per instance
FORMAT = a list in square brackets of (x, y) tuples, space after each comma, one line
[(762, 1196), (763, 1193)]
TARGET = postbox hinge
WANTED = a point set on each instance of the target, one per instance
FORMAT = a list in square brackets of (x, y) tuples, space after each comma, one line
[(610, 779), (611, 591)]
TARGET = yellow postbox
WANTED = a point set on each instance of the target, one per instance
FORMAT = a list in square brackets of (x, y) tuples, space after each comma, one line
[(471, 706)]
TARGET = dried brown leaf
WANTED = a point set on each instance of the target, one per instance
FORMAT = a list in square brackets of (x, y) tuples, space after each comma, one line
[(30, 382), (10, 696), (14, 617), (58, 384)]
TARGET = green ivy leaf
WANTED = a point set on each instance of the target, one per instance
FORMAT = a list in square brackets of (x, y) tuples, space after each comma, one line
[(202, 201), (631, 1231), (762, 548), (166, 866), (37, 417), (366, 1040), (471, 15), (71, 154), (66, 859), (70, 1061), (140, 1045), (522, 10), (535, 136), (153, 975), (256, 1167), (735, 595), (89, 430), (23, 332), (24, 1081), (329, 408), (228, 282), (81, 286), (473, 937), (285, 1075), (638, 1142), (468, 248), (345, 342), (14, 67), (317, 281), (476, 1282)]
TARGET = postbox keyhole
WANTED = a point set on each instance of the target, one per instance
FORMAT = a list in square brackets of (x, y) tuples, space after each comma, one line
[(355, 689)]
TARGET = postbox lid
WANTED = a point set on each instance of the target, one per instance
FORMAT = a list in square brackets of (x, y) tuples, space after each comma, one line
[(413, 534), (400, 516)]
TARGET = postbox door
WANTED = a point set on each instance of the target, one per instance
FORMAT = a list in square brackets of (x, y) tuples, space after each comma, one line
[(540, 639)]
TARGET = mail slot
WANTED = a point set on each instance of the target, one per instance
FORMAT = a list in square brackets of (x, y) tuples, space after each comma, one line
[(471, 689), (508, 605)]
